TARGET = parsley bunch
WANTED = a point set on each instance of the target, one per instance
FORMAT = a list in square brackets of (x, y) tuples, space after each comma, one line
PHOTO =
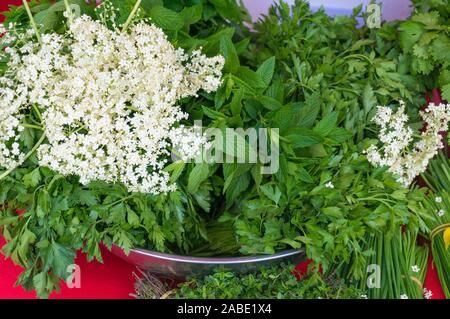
[(425, 41)]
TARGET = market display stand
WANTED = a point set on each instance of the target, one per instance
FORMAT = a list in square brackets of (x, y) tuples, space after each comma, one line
[(114, 278)]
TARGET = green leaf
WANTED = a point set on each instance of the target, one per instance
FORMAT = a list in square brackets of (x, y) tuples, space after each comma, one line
[(308, 113), (228, 10), (335, 212), (212, 114), (236, 102), (410, 33), (444, 78), (369, 99), (83, 197), (40, 284), (301, 137), (43, 204), (228, 50), (192, 14), (429, 19), (304, 176), (59, 204), (276, 91), (250, 77), (340, 135), (176, 169), (50, 18), (132, 218), (273, 193), (237, 187), (117, 214), (166, 18), (124, 242), (446, 92), (423, 66), (197, 176), (440, 48), (32, 179), (8, 220), (266, 70), (269, 103), (47, 20), (317, 150), (149, 4), (28, 238), (242, 45), (236, 145), (27, 137), (61, 257), (327, 124)]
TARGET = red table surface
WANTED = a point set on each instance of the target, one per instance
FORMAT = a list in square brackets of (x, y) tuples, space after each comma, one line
[(112, 279)]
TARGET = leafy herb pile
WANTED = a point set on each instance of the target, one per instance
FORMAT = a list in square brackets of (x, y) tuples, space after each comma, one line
[(268, 283), (425, 40), (334, 76), (316, 78)]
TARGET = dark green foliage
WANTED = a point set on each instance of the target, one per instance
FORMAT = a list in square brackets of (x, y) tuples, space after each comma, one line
[(276, 282)]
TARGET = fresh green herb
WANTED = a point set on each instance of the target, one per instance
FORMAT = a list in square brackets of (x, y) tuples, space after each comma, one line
[(268, 283), (438, 204), (396, 266), (425, 39)]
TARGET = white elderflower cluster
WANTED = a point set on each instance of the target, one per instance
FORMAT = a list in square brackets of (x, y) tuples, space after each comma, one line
[(109, 101), (13, 97), (404, 157)]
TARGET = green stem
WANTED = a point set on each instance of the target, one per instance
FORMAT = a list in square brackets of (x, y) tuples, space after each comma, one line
[(82, 127), (38, 113), (375, 199), (27, 156), (120, 200), (135, 109), (69, 11), (33, 23), (132, 14), (361, 56), (37, 127)]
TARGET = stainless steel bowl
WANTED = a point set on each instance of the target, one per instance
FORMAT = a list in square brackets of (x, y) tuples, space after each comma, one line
[(179, 267)]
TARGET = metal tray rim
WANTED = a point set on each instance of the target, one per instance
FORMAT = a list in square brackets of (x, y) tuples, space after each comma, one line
[(213, 260)]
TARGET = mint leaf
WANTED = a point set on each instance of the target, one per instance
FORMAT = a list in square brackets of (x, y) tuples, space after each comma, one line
[(197, 176), (327, 124), (166, 18), (308, 113), (266, 70), (301, 137)]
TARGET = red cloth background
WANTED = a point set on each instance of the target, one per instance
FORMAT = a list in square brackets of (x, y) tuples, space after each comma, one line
[(113, 279)]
